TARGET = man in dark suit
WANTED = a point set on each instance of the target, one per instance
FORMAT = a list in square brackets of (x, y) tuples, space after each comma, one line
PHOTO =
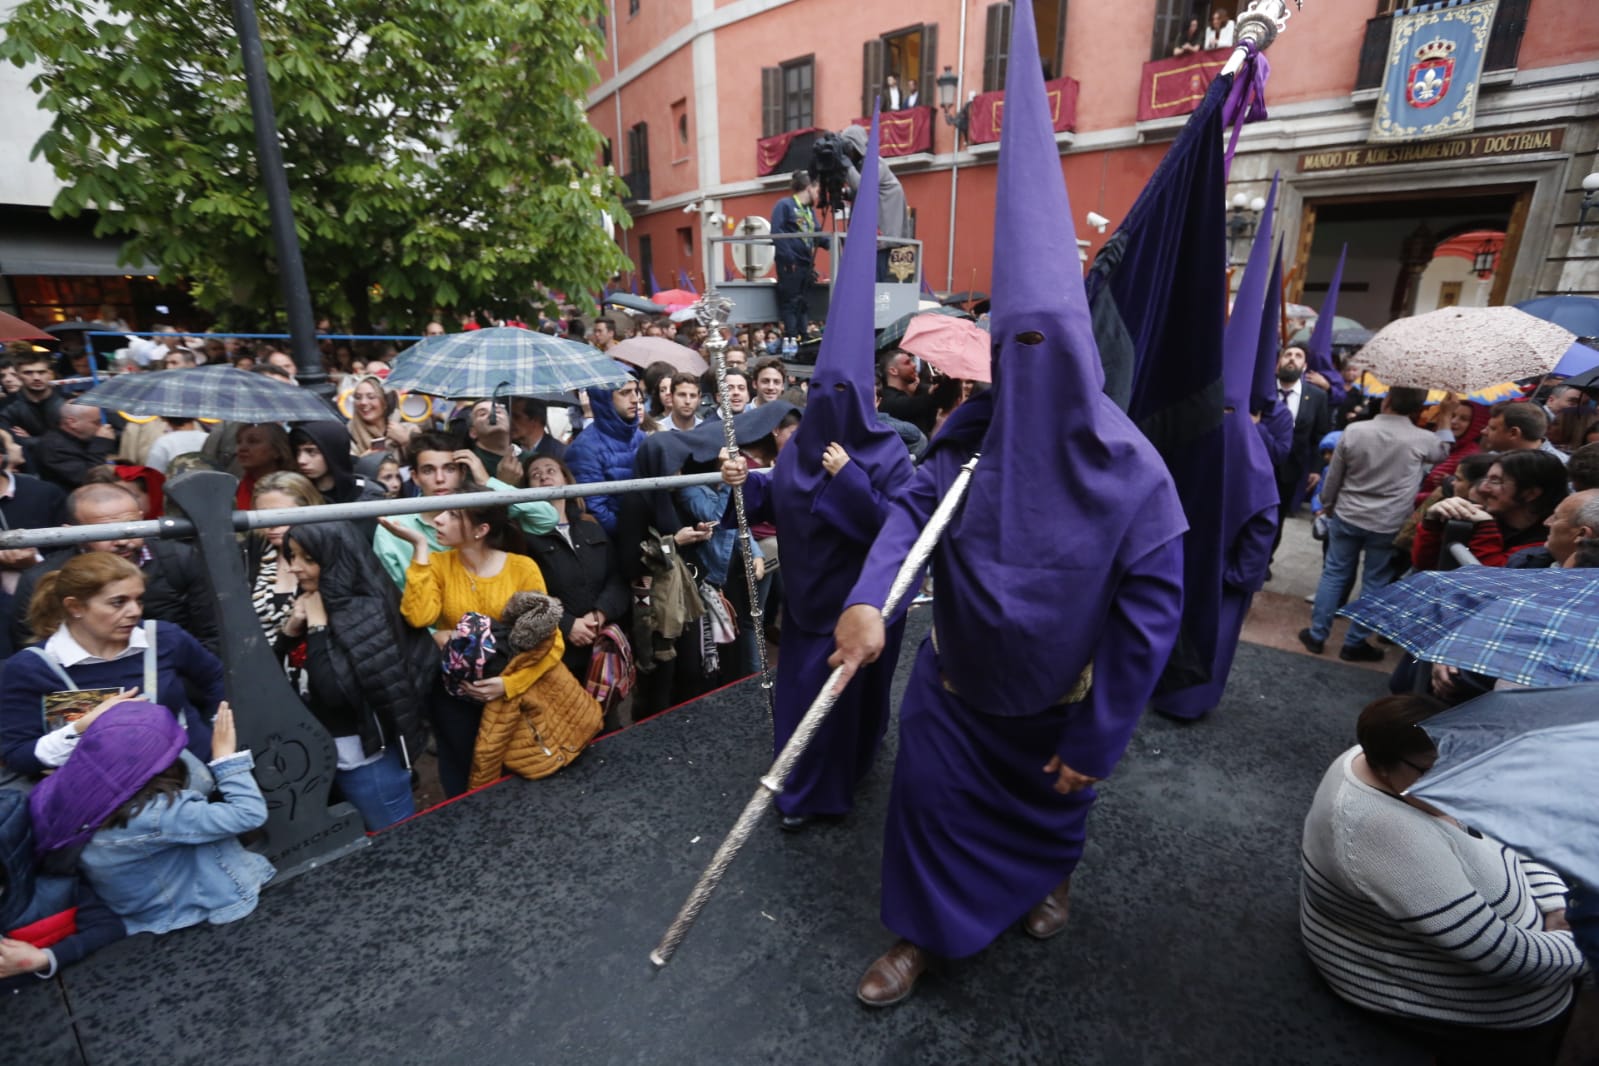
[(1312, 420)]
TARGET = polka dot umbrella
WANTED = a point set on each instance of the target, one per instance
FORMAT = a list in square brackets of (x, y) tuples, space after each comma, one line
[(1464, 349)]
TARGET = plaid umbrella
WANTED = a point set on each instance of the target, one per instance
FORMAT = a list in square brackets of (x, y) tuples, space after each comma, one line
[(1463, 349), (1518, 765), (219, 392), (642, 351), (1532, 627), (503, 361)]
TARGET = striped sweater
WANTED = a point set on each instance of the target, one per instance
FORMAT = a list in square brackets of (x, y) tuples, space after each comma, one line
[(1407, 914)]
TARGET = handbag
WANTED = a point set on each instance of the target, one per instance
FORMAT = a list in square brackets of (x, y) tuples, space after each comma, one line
[(472, 654)]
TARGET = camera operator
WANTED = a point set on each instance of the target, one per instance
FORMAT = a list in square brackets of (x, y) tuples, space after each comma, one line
[(893, 219), (794, 214)]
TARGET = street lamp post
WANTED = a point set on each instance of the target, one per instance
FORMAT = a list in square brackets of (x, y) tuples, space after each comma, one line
[(269, 157)]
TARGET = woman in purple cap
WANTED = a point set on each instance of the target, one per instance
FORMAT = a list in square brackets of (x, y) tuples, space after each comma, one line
[(154, 847)]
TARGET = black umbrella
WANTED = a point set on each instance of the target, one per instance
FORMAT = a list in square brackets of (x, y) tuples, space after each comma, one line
[(890, 334), (1588, 379), (77, 326), (969, 298), (635, 303)]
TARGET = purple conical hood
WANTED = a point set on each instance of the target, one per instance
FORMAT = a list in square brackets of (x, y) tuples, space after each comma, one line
[(1264, 394), (840, 406), (1318, 350), (1067, 488), (1032, 212), (1241, 341)]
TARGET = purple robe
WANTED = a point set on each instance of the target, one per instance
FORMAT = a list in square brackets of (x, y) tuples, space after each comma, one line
[(825, 777), (1059, 587), (976, 835), (1318, 350), (827, 522)]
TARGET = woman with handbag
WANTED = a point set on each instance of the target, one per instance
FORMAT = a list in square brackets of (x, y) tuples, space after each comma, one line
[(346, 650), (88, 616), (477, 574)]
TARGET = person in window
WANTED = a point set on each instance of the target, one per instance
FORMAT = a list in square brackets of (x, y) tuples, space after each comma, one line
[(1191, 39), (1220, 34)]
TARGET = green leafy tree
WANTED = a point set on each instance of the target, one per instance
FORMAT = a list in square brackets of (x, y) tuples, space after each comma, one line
[(437, 150)]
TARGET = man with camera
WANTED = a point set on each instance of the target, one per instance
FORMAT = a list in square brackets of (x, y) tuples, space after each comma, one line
[(794, 214)]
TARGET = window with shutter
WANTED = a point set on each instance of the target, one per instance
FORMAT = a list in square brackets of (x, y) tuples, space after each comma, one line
[(799, 93), (927, 82), (771, 101), (871, 74), (996, 46), (1050, 18)]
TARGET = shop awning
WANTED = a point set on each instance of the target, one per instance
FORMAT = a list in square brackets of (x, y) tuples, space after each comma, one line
[(69, 255)]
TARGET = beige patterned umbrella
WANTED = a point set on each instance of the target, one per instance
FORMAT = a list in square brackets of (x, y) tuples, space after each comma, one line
[(1464, 349)]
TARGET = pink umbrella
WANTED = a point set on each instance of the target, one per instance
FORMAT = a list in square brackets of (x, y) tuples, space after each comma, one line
[(642, 351), (675, 299), (953, 345)]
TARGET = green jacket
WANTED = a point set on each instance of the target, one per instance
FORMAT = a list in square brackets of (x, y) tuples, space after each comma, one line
[(534, 518)]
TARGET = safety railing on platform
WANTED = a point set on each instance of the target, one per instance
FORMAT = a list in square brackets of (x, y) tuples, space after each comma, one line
[(294, 755)]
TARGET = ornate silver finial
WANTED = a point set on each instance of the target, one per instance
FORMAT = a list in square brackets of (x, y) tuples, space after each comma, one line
[(712, 311), (1263, 21)]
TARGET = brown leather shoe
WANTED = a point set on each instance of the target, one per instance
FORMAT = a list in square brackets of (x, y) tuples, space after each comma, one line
[(1049, 917), (893, 976)]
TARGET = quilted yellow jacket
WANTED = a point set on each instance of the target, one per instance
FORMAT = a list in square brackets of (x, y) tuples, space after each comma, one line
[(544, 728)]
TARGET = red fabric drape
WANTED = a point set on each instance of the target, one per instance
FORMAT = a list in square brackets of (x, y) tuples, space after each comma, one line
[(987, 113), (1175, 86), (904, 132), (769, 151)]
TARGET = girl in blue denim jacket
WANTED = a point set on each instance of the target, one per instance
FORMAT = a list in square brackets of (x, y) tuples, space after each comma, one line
[(155, 849)]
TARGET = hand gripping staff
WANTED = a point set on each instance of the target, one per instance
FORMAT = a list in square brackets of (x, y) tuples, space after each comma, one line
[(712, 311), (777, 776)]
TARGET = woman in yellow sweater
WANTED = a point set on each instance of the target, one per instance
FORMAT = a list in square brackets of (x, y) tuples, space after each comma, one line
[(480, 571)]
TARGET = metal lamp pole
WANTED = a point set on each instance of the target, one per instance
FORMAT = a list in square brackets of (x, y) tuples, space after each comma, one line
[(269, 156)]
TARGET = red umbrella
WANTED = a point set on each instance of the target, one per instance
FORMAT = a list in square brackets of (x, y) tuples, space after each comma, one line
[(642, 351), (955, 346), (13, 328), (675, 299)]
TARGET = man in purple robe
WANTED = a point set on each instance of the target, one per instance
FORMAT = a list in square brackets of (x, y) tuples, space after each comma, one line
[(1248, 481), (1059, 596), (829, 520)]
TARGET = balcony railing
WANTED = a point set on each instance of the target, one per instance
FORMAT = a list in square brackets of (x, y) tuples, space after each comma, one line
[(638, 186), (1504, 43)]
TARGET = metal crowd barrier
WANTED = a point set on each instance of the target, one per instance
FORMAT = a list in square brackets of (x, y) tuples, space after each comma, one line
[(295, 758)]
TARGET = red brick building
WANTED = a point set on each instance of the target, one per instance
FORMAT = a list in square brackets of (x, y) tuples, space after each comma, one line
[(693, 87)]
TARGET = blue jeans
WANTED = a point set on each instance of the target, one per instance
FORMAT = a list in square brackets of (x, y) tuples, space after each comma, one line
[(1345, 543), (380, 790)]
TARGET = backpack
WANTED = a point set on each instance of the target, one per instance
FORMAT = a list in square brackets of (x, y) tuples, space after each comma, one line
[(16, 856)]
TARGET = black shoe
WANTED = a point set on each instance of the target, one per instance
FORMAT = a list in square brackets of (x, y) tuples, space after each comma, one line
[(1311, 644), (1360, 653), (794, 823)]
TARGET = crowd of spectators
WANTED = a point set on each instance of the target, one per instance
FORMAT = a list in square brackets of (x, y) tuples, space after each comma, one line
[(429, 639), (420, 642)]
